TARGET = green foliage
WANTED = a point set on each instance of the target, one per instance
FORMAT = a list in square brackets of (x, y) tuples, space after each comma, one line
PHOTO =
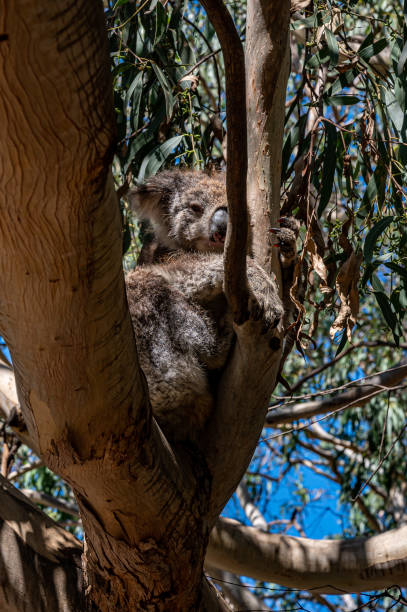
[(162, 117), (346, 133)]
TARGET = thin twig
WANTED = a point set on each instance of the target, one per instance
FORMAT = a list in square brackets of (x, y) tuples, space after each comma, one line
[(379, 465)]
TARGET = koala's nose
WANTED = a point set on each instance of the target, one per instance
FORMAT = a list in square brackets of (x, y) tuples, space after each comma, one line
[(218, 225)]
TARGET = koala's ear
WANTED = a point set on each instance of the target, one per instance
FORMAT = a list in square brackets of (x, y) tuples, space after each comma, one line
[(145, 201), (150, 199)]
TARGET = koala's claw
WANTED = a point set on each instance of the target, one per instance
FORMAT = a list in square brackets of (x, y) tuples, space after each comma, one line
[(286, 238)]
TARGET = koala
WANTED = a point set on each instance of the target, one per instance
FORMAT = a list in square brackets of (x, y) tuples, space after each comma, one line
[(182, 322), (187, 211)]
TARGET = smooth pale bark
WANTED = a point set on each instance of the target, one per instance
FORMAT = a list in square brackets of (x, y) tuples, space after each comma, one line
[(356, 396), (236, 591), (325, 566), (267, 69), (65, 319), (251, 374), (252, 513)]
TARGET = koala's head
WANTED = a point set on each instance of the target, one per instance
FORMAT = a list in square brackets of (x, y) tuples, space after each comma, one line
[(188, 209)]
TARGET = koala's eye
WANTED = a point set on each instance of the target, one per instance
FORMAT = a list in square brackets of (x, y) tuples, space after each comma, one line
[(197, 208)]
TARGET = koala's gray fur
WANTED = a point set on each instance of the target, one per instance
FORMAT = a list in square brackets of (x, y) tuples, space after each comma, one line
[(181, 319), (179, 205)]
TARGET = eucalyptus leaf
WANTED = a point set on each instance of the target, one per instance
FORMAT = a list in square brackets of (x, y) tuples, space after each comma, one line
[(373, 235), (343, 100), (133, 98), (155, 159), (369, 51), (333, 47), (166, 87), (328, 170)]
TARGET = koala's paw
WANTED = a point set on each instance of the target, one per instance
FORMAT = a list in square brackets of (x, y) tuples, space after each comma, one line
[(265, 306), (285, 238)]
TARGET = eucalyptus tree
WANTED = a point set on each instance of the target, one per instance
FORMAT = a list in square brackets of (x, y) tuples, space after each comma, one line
[(326, 143)]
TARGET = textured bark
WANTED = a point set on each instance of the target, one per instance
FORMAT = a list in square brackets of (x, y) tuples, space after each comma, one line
[(325, 566), (147, 509), (40, 562)]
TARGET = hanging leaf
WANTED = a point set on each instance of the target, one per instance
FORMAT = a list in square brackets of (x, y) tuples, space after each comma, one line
[(396, 268), (161, 23), (333, 47), (153, 162), (328, 170), (386, 308), (343, 100), (166, 87), (133, 97), (321, 57), (344, 80), (347, 288), (373, 235), (373, 49)]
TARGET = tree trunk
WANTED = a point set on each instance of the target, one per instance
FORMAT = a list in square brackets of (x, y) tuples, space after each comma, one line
[(65, 319), (147, 509)]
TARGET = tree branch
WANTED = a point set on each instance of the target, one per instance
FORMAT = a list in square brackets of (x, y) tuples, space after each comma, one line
[(325, 566), (253, 514), (296, 386), (354, 397), (10, 408), (38, 497), (236, 592), (236, 238), (267, 65), (252, 368)]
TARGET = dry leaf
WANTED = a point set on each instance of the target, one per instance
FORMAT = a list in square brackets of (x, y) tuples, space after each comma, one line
[(317, 264), (190, 77), (347, 287), (298, 5)]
